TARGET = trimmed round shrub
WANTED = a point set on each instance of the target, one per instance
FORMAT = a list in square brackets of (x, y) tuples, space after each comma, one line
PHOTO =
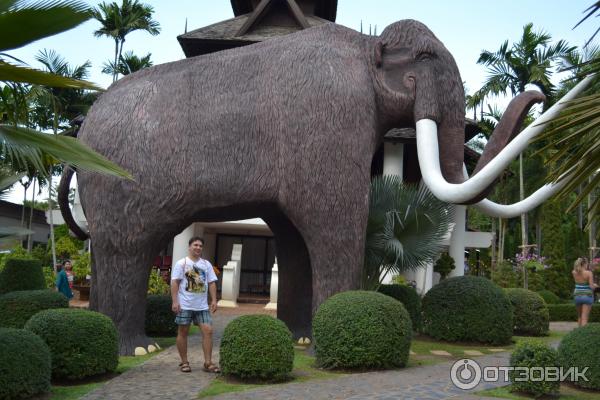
[(82, 343), (468, 308), (581, 348), (409, 298), (533, 354), (549, 297), (21, 274), (360, 330), (24, 364), (257, 346), (530, 312), (160, 320), (17, 307)]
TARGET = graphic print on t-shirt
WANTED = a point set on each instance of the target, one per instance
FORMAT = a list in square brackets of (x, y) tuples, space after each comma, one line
[(195, 280)]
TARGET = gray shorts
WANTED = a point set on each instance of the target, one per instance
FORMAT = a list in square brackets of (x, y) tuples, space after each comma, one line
[(186, 317)]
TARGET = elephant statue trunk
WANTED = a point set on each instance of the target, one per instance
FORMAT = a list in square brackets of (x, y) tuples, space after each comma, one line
[(467, 191)]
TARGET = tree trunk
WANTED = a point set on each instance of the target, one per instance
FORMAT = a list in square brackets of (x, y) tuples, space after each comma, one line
[(494, 238), (524, 238), (115, 72), (29, 237)]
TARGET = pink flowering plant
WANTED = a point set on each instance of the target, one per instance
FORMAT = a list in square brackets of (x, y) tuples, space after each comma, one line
[(531, 262)]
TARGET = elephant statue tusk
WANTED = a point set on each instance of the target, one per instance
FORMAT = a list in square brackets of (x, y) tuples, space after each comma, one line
[(460, 193), (493, 209)]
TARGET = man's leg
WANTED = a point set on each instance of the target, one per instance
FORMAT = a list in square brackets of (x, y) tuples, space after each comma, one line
[(182, 337), (206, 342)]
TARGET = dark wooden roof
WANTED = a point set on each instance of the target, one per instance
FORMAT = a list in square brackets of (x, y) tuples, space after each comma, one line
[(326, 9), (11, 210), (408, 135), (222, 35), (256, 21)]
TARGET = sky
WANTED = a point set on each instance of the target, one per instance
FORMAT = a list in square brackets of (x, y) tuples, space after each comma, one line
[(466, 27)]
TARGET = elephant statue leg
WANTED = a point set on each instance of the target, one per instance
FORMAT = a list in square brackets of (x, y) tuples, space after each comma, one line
[(294, 295), (121, 274)]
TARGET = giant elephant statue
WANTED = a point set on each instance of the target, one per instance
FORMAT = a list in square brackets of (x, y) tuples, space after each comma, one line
[(284, 130)]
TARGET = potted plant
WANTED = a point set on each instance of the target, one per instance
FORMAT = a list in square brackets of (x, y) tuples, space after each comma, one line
[(82, 271)]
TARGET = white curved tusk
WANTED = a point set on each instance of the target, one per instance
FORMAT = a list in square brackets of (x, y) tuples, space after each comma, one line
[(492, 209), (429, 159)]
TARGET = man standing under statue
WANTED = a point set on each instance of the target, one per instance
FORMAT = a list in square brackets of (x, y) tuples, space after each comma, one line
[(190, 279)]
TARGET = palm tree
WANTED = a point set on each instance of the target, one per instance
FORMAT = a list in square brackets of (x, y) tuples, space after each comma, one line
[(117, 22), (128, 64), (530, 61), (575, 137), (404, 231)]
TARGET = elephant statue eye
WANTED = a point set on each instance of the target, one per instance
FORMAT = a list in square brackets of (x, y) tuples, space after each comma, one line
[(425, 57)]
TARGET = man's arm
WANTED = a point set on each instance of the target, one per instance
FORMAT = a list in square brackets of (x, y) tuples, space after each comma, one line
[(212, 289), (175, 295)]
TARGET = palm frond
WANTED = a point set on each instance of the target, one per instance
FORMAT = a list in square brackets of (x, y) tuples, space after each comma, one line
[(24, 22), (63, 148), (404, 231)]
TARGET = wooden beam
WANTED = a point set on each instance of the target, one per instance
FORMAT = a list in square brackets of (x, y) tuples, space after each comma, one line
[(298, 14), (253, 18)]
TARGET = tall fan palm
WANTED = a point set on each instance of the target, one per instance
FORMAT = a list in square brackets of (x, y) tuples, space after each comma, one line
[(42, 19), (119, 21), (405, 229), (128, 64)]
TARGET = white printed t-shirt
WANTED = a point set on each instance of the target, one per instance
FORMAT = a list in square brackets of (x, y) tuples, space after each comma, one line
[(193, 286)]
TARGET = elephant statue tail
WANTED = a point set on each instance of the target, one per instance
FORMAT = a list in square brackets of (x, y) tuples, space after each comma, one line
[(63, 190)]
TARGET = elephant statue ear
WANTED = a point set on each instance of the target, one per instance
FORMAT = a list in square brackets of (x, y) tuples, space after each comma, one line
[(378, 50)]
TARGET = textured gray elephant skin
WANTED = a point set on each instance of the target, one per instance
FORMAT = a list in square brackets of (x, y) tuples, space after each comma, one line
[(284, 130)]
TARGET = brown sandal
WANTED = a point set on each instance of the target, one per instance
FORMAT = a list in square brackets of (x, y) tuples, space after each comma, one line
[(212, 368), (185, 367)]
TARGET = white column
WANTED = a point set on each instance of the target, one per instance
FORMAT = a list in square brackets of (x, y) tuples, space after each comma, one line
[(457, 241), (180, 243), (272, 305), (230, 286), (393, 161)]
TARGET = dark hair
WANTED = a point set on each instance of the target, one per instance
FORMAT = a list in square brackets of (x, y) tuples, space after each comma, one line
[(59, 267), (194, 239)]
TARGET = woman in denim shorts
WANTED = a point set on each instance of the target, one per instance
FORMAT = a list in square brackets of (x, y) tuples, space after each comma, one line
[(583, 294)]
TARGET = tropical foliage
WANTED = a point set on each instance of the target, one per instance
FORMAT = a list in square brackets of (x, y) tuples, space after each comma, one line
[(404, 231), (119, 21)]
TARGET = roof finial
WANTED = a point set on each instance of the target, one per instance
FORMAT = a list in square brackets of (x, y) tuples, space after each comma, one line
[(185, 29)]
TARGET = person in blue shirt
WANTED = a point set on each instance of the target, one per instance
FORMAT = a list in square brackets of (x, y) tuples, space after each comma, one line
[(62, 282)]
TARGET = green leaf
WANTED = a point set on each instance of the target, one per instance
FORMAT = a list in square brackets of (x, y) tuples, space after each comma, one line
[(21, 25), (63, 148), (14, 73)]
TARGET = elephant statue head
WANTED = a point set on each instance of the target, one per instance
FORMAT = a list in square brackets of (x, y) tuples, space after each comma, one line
[(419, 85)]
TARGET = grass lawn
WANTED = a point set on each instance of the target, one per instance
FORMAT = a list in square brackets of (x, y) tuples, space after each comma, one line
[(305, 370), (75, 390), (567, 392), (423, 345)]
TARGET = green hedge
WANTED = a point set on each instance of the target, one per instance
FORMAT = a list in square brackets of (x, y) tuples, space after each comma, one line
[(530, 312), (160, 320), (361, 329), (257, 346), (581, 348), (549, 297), (17, 307), (21, 274), (411, 300), (468, 308), (24, 364), (568, 312), (82, 343), (534, 354)]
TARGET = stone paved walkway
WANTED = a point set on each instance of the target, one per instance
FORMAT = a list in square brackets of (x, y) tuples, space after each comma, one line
[(159, 378)]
